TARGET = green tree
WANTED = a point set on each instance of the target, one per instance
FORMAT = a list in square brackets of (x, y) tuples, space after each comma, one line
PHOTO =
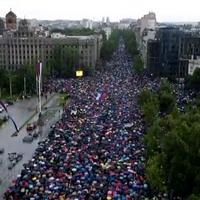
[(109, 46), (138, 65), (194, 80), (172, 142), (167, 102)]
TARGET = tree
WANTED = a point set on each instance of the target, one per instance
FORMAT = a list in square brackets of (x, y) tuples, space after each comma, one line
[(110, 45), (28, 72), (167, 102), (194, 80), (74, 31), (4, 83), (172, 142), (138, 65)]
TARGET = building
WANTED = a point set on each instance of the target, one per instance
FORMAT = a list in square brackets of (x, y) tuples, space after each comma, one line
[(189, 53), (145, 30), (87, 23), (147, 35), (148, 22), (11, 21), (153, 57), (167, 47), (20, 48), (2, 26), (193, 64), (24, 46), (107, 31)]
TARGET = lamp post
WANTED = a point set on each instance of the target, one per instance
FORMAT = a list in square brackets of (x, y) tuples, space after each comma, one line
[(24, 86), (10, 84)]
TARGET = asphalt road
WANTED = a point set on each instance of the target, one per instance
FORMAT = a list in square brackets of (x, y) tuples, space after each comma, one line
[(21, 111)]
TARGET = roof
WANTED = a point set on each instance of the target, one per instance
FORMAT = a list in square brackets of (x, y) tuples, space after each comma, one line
[(12, 14)]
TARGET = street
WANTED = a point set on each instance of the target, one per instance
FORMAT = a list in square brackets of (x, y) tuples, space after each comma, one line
[(21, 111)]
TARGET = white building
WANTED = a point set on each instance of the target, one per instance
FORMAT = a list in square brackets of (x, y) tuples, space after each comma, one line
[(57, 35), (145, 31), (148, 22), (147, 35), (123, 25), (193, 64), (87, 23), (108, 32)]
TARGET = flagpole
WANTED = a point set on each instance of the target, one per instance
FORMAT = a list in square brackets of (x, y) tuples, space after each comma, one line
[(40, 107), (39, 88)]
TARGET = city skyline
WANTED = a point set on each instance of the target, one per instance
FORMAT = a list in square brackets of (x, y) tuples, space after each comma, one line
[(168, 11)]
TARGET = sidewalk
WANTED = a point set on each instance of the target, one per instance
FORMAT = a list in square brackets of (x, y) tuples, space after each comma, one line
[(22, 112), (15, 144), (35, 113)]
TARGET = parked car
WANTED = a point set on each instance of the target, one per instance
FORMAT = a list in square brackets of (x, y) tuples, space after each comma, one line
[(9, 102), (35, 134), (2, 150), (31, 126), (28, 139)]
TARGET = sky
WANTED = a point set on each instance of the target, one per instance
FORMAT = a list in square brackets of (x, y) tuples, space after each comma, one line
[(166, 10)]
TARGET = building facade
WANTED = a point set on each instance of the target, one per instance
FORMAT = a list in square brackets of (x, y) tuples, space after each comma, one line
[(145, 30), (193, 64), (2, 26), (23, 47), (165, 62), (11, 21)]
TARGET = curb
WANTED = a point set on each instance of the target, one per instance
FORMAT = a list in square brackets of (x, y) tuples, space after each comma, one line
[(33, 115)]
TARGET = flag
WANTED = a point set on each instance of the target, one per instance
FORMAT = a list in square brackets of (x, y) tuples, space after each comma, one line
[(38, 69)]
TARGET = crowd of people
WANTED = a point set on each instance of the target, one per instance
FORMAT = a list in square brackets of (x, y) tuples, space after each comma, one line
[(95, 151)]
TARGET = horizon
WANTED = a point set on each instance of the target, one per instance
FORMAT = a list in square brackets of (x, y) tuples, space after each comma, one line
[(95, 10)]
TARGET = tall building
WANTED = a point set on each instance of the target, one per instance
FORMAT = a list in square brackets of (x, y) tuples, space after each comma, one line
[(21, 48), (166, 47), (148, 22), (23, 26), (107, 20), (107, 31), (24, 46), (189, 52), (145, 30), (193, 64), (11, 21), (2, 26), (153, 57), (87, 23)]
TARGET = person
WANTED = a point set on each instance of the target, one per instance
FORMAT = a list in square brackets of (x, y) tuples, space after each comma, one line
[(91, 152)]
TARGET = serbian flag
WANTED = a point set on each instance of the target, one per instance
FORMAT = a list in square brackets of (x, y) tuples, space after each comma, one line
[(38, 69)]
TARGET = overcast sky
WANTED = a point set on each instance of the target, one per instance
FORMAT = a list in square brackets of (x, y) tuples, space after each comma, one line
[(166, 10)]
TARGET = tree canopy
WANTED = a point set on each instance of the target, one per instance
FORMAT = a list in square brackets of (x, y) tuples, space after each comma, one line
[(172, 140)]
